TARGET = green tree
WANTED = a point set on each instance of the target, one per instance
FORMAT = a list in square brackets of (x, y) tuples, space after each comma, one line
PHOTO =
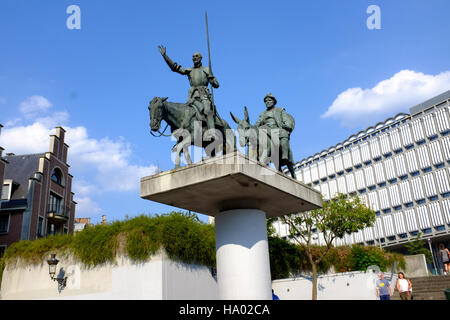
[(340, 216), (418, 246)]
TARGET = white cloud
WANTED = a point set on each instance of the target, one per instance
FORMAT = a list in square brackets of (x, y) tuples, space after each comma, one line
[(98, 165), (34, 105), (56, 119), (86, 207), (83, 188), (108, 160), (13, 122), (357, 106), (33, 138)]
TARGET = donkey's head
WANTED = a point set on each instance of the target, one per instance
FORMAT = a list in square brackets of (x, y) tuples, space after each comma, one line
[(244, 128)]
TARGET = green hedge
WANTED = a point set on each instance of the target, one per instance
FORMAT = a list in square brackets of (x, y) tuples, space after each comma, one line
[(182, 235), (288, 258), (185, 239)]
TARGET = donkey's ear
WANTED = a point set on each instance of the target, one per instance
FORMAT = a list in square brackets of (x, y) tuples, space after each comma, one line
[(246, 114), (234, 118), (164, 99)]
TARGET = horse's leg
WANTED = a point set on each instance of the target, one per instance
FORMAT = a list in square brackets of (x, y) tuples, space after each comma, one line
[(177, 151), (225, 144), (187, 154), (252, 153)]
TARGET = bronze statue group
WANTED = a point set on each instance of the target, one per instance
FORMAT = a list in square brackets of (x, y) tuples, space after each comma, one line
[(198, 123)]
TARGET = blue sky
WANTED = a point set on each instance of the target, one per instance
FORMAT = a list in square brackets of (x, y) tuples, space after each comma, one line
[(332, 73)]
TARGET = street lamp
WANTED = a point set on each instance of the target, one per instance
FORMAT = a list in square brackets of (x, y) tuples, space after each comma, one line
[(52, 262)]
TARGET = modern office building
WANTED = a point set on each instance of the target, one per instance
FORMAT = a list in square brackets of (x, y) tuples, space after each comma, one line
[(401, 167), (36, 194)]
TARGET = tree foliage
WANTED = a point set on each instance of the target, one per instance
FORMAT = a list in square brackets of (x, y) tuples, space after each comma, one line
[(335, 219), (338, 217), (418, 246)]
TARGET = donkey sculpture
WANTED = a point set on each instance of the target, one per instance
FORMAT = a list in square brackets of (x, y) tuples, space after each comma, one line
[(260, 144)]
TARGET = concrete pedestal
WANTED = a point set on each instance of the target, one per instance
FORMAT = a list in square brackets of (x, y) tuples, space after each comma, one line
[(240, 193), (243, 269)]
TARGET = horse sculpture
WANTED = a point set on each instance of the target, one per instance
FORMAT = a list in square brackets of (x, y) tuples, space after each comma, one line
[(259, 144), (188, 134)]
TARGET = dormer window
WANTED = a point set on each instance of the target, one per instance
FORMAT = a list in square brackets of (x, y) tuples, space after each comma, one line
[(57, 176), (9, 186), (6, 191)]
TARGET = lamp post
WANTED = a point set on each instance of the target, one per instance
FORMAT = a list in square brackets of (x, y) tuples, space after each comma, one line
[(52, 263)]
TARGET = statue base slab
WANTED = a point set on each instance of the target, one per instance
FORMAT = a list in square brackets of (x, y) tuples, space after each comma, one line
[(230, 182), (240, 193)]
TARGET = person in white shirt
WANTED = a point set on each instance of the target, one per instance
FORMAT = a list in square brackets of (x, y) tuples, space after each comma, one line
[(404, 286)]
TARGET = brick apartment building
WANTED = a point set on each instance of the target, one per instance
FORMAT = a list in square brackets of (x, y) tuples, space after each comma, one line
[(2, 167), (81, 223), (36, 196)]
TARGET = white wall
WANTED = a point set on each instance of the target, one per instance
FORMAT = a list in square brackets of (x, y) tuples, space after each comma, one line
[(156, 279), (185, 281), (416, 266), (340, 286)]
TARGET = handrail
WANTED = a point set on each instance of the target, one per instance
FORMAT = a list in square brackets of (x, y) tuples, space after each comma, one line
[(58, 209)]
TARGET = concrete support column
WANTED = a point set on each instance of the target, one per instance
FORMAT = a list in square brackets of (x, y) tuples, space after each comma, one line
[(242, 254)]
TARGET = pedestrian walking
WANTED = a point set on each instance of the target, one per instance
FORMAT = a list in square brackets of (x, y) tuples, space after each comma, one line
[(404, 287), (383, 288), (445, 257)]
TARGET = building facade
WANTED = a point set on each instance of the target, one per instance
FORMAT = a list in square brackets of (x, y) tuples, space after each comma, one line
[(81, 223), (2, 166), (401, 167), (37, 200), (3, 163)]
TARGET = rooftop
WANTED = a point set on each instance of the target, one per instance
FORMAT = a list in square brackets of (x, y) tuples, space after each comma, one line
[(363, 134), (19, 169)]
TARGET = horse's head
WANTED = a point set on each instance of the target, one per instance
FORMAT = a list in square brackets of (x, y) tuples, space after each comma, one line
[(243, 128), (156, 112)]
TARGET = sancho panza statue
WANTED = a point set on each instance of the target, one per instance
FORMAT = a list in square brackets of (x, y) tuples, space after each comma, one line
[(277, 118), (199, 76)]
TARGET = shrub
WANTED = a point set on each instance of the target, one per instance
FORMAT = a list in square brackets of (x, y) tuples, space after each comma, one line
[(418, 246), (285, 258), (182, 235)]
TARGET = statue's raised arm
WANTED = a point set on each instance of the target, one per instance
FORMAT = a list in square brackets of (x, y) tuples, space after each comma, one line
[(175, 67)]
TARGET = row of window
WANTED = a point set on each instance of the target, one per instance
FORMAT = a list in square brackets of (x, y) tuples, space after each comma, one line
[(386, 144), (51, 228), (425, 157), (354, 140), (381, 196), (401, 225)]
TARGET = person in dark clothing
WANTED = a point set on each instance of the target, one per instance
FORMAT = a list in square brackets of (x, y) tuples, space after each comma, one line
[(274, 296), (445, 257)]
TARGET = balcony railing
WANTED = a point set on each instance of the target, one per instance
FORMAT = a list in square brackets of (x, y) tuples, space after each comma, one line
[(58, 212)]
